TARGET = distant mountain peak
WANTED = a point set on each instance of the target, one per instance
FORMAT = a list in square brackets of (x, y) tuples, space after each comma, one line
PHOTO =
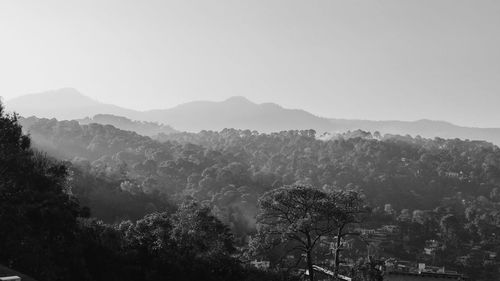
[(432, 121), (61, 91), (67, 91), (271, 105), (62, 94), (238, 100), (64, 104)]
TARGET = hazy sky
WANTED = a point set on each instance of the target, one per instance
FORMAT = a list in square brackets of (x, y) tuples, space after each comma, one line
[(368, 59)]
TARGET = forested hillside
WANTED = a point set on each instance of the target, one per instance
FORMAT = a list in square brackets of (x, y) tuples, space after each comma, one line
[(47, 234), (123, 123), (403, 171), (449, 186)]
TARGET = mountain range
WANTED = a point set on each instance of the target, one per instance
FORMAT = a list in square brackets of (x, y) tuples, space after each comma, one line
[(235, 112)]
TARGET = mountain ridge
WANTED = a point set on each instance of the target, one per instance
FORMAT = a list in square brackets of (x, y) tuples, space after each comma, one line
[(234, 112), (64, 104)]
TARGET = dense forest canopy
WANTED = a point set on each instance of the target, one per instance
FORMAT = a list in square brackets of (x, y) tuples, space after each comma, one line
[(46, 234), (444, 189), (406, 172)]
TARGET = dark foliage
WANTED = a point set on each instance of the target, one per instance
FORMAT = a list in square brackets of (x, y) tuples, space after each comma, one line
[(436, 189), (37, 218), (45, 233)]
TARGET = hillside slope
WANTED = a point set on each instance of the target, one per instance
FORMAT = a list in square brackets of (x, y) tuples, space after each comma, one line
[(123, 123)]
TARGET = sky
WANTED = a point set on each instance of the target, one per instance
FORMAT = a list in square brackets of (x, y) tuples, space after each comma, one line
[(372, 59)]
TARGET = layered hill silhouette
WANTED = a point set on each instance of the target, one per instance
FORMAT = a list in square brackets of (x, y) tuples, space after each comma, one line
[(141, 127), (424, 128), (235, 112), (64, 104)]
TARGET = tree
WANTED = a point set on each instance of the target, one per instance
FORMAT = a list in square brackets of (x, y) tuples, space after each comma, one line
[(196, 228), (203, 243), (300, 216), (350, 209), (38, 219), (450, 229)]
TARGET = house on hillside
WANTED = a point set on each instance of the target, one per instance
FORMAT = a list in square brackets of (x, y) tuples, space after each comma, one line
[(10, 278), (322, 274), (406, 271), (263, 265), (431, 246), (423, 276), (7, 274)]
